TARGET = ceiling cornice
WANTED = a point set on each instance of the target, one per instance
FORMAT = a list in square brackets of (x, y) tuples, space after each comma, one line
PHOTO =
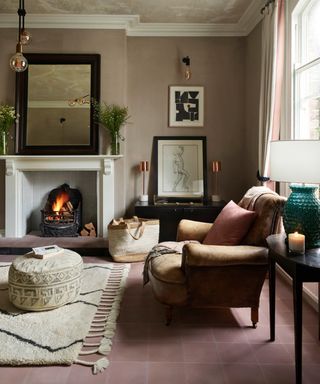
[(133, 26), (251, 17), (69, 21)]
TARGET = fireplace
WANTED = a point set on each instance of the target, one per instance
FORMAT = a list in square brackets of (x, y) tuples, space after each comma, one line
[(62, 214), (29, 178)]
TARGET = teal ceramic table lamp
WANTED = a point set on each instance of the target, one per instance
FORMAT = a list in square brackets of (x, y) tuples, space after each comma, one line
[(298, 161)]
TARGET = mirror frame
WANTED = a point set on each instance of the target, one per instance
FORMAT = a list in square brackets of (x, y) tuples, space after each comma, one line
[(21, 147)]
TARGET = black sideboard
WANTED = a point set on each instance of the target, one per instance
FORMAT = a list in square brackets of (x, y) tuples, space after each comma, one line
[(171, 214)]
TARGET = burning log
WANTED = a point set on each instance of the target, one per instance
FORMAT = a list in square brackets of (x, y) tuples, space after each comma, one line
[(69, 206)]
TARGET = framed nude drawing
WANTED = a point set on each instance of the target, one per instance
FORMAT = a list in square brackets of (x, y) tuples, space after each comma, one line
[(181, 166)]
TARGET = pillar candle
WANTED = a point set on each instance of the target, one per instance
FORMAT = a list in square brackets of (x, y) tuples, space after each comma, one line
[(296, 242)]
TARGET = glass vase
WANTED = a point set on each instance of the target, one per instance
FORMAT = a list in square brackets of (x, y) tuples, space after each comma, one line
[(115, 145), (3, 143), (302, 213)]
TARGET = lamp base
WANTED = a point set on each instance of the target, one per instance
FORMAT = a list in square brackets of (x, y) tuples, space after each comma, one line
[(302, 214), (143, 198)]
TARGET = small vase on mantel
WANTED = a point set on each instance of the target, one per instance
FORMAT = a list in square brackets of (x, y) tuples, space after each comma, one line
[(115, 145), (3, 143)]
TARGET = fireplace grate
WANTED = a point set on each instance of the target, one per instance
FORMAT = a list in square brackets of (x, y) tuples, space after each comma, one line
[(67, 221)]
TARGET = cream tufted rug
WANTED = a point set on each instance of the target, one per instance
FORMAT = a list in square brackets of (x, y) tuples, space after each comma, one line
[(67, 334)]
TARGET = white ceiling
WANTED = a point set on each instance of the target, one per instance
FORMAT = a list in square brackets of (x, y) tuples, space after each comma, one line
[(150, 11), (228, 15)]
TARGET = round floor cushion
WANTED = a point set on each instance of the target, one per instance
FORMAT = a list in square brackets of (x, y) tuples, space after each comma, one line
[(43, 284)]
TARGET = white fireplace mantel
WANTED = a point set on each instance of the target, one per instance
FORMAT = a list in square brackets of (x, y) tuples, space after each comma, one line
[(103, 165)]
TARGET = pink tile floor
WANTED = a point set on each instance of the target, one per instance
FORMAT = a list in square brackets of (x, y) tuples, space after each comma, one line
[(200, 347)]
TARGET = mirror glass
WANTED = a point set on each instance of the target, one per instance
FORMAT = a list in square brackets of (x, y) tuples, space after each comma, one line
[(53, 100)]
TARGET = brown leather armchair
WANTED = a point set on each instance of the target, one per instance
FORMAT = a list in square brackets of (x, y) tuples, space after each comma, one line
[(216, 275)]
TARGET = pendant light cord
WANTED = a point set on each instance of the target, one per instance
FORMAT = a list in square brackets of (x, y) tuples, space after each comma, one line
[(21, 13)]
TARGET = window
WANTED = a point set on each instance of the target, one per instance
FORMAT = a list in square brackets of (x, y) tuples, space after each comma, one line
[(306, 70)]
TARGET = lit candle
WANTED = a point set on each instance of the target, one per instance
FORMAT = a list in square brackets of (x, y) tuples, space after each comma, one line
[(296, 242)]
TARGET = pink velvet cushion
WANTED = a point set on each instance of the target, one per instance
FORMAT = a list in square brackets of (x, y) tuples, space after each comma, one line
[(231, 225)]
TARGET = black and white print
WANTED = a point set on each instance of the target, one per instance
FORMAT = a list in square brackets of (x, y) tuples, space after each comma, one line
[(186, 106)]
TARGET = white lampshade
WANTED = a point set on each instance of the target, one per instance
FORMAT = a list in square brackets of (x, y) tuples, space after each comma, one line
[(295, 161)]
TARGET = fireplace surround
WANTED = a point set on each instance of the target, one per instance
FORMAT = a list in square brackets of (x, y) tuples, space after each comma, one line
[(95, 172)]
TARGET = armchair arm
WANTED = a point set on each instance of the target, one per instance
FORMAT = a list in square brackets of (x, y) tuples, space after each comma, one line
[(201, 255), (192, 230)]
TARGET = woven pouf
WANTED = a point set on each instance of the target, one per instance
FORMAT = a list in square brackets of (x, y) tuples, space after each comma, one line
[(43, 284)]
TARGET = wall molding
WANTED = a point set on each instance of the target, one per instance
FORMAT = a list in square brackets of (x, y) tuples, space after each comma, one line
[(133, 27)]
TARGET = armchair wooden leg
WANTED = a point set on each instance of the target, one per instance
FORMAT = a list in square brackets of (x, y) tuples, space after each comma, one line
[(254, 316), (168, 314)]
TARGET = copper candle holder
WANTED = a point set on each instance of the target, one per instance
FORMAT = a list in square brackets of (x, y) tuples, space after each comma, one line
[(144, 168), (216, 169)]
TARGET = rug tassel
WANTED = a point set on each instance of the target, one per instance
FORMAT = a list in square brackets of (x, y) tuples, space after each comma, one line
[(103, 348), (95, 330), (94, 325), (107, 314), (97, 366), (95, 335)]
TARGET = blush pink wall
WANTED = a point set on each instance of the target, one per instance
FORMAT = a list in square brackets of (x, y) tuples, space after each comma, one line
[(137, 71), (217, 63)]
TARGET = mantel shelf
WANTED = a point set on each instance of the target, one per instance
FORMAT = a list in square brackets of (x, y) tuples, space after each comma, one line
[(53, 157)]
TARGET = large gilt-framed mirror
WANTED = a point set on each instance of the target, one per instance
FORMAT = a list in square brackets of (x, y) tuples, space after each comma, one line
[(55, 115)]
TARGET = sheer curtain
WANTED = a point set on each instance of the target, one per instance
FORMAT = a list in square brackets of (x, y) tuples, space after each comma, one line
[(272, 69)]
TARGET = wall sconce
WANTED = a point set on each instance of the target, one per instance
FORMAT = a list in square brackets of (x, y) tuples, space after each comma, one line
[(144, 167), (18, 62), (187, 71), (216, 169)]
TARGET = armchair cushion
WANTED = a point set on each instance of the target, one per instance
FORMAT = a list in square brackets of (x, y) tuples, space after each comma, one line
[(231, 225), (192, 230), (200, 255)]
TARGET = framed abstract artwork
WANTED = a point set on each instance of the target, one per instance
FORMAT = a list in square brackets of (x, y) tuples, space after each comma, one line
[(181, 167), (186, 106)]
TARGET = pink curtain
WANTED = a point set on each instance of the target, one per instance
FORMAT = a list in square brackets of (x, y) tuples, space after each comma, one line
[(271, 84)]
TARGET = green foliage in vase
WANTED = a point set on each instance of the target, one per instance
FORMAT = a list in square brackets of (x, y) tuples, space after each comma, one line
[(7, 118), (111, 116)]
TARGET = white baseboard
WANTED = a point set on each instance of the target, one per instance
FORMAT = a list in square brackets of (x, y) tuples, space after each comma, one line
[(308, 296)]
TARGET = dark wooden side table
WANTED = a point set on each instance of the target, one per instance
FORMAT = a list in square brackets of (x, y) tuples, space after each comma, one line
[(171, 214), (301, 268)]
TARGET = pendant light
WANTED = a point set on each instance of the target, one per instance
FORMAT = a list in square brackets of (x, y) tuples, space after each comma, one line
[(18, 62)]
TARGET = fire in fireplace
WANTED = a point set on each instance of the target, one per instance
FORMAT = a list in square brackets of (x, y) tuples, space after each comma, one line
[(62, 213)]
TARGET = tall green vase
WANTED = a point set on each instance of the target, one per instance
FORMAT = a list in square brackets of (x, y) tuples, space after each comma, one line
[(302, 214)]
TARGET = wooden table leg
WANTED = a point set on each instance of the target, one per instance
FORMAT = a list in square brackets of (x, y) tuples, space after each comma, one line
[(297, 303), (272, 297)]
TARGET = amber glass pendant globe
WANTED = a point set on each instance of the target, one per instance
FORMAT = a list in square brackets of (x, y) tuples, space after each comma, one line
[(18, 62)]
